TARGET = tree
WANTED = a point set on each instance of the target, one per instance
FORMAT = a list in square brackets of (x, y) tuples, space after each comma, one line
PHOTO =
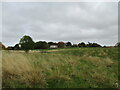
[(26, 43), (89, 44), (96, 45), (118, 44), (68, 44), (41, 45), (17, 47), (61, 44), (10, 48), (51, 43), (93, 45), (75, 45), (82, 44)]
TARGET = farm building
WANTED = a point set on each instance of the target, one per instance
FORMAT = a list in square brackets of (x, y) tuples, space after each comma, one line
[(2, 46), (54, 46)]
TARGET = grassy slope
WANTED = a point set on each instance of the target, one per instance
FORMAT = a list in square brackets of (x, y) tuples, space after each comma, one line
[(62, 68)]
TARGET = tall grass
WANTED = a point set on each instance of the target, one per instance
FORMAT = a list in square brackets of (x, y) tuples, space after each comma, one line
[(76, 68)]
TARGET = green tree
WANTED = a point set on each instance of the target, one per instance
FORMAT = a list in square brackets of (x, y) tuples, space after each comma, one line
[(16, 47), (82, 44), (26, 43), (75, 45), (118, 44), (68, 44), (51, 43), (93, 45), (41, 45), (89, 44), (96, 45)]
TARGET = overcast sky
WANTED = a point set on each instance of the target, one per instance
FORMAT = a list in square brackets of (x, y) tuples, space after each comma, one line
[(75, 22)]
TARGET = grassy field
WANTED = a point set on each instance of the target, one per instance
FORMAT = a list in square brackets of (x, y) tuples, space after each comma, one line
[(61, 68)]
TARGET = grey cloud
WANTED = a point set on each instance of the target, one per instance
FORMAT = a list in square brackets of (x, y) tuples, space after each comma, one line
[(76, 22)]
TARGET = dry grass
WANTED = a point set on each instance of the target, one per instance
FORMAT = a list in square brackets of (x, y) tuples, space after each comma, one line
[(108, 62), (50, 69), (18, 67)]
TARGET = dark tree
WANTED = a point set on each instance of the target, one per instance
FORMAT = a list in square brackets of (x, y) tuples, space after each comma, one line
[(10, 48), (51, 43), (16, 47), (68, 44), (104, 46), (118, 44), (93, 45), (96, 45), (82, 44), (41, 45), (74, 45), (26, 43), (89, 44)]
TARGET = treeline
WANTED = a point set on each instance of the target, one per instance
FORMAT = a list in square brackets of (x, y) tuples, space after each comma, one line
[(26, 43)]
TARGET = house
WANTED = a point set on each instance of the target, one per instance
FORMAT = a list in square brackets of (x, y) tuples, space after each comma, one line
[(2, 47), (61, 44), (53, 46)]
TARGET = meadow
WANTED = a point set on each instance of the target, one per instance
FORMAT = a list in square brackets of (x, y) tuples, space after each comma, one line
[(61, 68)]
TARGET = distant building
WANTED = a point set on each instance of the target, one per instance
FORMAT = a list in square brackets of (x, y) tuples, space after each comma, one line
[(61, 44), (2, 46), (54, 46)]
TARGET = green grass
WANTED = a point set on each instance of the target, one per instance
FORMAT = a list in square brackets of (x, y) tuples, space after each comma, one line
[(61, 68)]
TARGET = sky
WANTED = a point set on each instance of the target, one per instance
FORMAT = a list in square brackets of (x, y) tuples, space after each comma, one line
[(95, 22)]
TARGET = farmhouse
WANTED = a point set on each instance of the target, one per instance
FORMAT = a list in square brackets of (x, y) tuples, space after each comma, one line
[(2, 46), (54, 46)]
